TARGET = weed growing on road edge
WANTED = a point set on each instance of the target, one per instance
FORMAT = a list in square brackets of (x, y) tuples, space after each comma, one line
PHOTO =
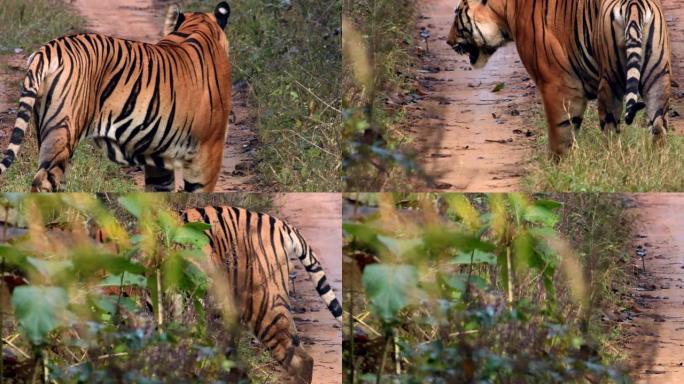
[(627, 162), (379, 62)]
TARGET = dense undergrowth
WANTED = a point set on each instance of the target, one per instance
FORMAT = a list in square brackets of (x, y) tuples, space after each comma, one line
[(483, 288), (137, 308)]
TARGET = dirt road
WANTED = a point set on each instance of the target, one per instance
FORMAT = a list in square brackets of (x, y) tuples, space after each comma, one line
[(657, 340), (473, 138), (143, 20), (319, 218)]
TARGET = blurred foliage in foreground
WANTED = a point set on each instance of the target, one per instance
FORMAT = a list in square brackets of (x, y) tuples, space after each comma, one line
[(139, 307), (478, 289), (377, 63)]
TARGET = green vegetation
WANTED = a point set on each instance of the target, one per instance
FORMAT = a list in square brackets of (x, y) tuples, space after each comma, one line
[(378, 63), (484, 288), (628, 162), (289, 55), (28, 25), (110, 312)]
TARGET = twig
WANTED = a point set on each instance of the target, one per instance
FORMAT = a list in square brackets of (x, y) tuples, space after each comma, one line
[(381, 369), (315, 95), (373, 331), (9, 342)]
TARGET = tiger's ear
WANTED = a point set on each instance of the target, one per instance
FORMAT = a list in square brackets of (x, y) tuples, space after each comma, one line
[(222, 12), (174, 18)]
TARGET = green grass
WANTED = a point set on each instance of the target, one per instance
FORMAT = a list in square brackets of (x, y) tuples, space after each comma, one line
[(628, 162), (30, 24), (291, 59), (27, 25)]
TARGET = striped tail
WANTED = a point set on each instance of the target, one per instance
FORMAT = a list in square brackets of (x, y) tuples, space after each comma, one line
[(635, 51), (317, 274), (31, 86)]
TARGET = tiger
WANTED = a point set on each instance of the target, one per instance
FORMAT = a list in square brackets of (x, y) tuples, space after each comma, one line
[(254, 248), (576, 51), (159, 106)]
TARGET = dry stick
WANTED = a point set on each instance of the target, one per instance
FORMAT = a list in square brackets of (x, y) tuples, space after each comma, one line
[(351, 335), (160, 306)]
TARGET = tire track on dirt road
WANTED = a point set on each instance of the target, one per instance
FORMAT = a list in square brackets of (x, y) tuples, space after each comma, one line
[(656, 341)]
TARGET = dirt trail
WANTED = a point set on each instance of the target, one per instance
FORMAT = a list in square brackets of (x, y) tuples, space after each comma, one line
[(657, 339), (319, 218), (472, 138), (476, 139)]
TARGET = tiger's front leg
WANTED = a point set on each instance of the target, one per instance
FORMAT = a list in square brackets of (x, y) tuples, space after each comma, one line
[(564, 107), (159, 179)]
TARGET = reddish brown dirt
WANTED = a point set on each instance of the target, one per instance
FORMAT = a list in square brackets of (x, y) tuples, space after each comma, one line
[(474, 139), (143, 20), (319, 218), (656, 341)]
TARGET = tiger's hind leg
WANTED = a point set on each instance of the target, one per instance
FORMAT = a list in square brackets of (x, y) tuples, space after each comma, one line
[(159, 179), (56, 148), (609, 105), (276, 330), (564, 116), (657, 99)]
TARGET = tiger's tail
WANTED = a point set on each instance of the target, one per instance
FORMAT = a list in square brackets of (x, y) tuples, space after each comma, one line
[(315, 270), (32, 82), (635, 51)]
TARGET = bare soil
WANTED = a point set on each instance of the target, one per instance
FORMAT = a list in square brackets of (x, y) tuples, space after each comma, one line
[(656, 338), (473, 136), (143, 20), (318, 216)]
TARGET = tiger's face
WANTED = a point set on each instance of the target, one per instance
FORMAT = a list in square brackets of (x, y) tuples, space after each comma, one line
[(477, 31)]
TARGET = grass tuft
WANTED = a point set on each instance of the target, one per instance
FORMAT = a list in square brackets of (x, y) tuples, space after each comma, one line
[(628, 162), (30, 24)]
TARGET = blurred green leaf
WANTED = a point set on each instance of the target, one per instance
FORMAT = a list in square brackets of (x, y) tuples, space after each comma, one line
[(477, 256), (128, 279), (192, 234), (39, 310), (390, 288)]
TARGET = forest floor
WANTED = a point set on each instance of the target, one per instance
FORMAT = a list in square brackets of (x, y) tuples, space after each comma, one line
[(475, 128), (655, 340)]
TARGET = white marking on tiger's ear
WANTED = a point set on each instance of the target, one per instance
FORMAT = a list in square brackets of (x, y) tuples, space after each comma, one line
[(222, 13), (171, 19)]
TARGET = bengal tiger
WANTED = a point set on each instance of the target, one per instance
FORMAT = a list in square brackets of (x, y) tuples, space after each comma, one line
[(575, 51), (254, 248), (160, 106)]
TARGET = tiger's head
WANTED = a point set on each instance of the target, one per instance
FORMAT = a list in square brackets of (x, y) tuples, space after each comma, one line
[(477, 31), (177, 21)]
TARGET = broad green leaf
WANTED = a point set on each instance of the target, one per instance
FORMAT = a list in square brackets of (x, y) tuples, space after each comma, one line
[(39, 310), (107, 303), (400, 247), (459, 281), (390, 288), (132, 204), (128, 279), (192, 234), (365, 236), (87, 263), (539, 214), (477, 256), (49, 268)]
